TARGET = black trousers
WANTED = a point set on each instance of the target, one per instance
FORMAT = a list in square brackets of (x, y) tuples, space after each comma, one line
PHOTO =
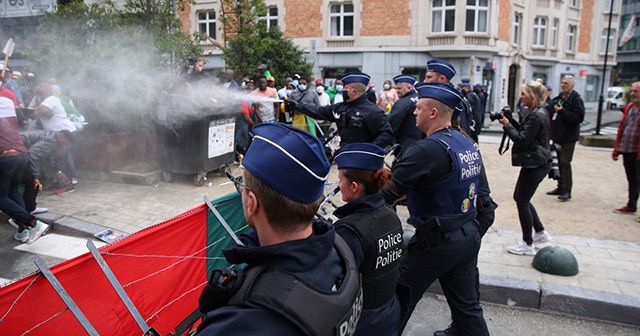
[(30, 193), (632, 169), (526, 187), (565, 182)]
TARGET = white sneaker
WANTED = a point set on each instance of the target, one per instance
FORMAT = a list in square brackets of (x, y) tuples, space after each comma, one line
[(13, 223), (522, 249), (39, 210), (22, 236), (37, 231), (541, 238), (74, 181)]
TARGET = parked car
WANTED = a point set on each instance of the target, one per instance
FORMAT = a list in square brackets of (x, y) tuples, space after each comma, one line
[(616, 97)]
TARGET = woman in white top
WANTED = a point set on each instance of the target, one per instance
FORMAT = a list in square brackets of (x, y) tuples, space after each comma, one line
[(50, 110)]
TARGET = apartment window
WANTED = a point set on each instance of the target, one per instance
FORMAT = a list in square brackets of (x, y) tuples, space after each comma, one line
[(539, 31), (517, 27), (342, 19), (443, 16), (553, 43), (571, 37), (207, 23), (477, 16), (603, 40), (591, 90), (607, 6), (574, 3), (272, 17)]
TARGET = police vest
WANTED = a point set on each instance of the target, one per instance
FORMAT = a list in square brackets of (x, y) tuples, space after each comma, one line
[(380, 233), (314, 312), (455, 195)]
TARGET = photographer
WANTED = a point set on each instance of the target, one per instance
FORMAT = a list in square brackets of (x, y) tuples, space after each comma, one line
[(531, 152)]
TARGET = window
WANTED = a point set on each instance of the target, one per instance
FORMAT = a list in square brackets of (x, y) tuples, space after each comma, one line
[(574, 3), (272, 17), (607, 6), (342, 20), (207, 23), (591, 90), (571, 37), (517, 22), (539, 31), (477, 15), (554, 33), (603, 40), (443, 16)]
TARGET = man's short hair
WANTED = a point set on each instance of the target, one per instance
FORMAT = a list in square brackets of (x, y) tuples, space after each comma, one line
[(281, 212)]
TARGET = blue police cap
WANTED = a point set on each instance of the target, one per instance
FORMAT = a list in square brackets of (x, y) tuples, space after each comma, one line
[(478, 85), (356, 77), (464, 84), (289, 160), (360, 155), (441, 67), (404, 79), (440, 91)]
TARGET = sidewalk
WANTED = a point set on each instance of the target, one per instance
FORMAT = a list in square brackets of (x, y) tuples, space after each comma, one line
[(606, 245)]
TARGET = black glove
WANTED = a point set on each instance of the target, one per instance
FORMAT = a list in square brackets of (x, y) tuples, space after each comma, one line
[(222, 284), (290, 104)]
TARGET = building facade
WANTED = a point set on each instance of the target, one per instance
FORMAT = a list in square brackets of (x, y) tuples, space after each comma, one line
[(498, 43), (628, 67)]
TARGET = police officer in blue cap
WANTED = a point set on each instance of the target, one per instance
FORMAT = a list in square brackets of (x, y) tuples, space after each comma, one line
[(358, 119), (439, 175), (374, 233), (442, 72), (401, 118), (301, 278), (474, 103)]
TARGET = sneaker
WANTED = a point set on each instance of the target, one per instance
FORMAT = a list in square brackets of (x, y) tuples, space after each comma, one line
[(541, 238), (39, 211), (13, 223), (74, 181), (450, 331), (64, 190), (625, 210), (522, 249), (22, 236), (37, 231)]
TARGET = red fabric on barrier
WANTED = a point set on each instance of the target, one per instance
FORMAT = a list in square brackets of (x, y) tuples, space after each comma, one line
[(167, 293)]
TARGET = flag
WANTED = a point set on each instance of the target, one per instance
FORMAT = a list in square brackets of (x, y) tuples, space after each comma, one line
[(628, 32), (8, 48)]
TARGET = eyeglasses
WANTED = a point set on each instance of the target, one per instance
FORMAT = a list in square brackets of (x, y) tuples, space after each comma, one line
[(237, 182)]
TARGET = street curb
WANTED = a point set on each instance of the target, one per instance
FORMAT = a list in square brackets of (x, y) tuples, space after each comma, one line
[(71, 226)]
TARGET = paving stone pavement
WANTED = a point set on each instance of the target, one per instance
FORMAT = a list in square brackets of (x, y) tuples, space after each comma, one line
[(607, 286)]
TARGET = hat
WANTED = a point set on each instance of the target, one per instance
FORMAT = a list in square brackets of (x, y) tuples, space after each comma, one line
[(68, 134), (296, 76), (441, 92), (17, 73), (270, 78), (441, 67), (289, 160), (360, 155), (262, 66), (464, 84), (318, 80), (478, 85), (356, 77), (404, 79)]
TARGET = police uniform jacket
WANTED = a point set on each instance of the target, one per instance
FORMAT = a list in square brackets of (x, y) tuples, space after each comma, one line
[(440, 175), (403, 122), (358, 121), (373, 231), (313, 260), (565, 124), (530, 139)]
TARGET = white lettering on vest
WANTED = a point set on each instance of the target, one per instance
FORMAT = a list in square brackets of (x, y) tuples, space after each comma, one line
[(348, 327)]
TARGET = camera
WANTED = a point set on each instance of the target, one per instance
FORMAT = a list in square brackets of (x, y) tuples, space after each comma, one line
[(506, 111)]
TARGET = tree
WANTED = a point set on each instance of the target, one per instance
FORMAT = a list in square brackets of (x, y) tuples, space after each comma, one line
[(113, 61), (249, 43)]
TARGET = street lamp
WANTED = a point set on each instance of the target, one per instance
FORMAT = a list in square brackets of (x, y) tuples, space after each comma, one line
[(604, 72)]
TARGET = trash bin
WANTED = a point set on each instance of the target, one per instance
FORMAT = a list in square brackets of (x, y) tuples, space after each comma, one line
[(193, 138)]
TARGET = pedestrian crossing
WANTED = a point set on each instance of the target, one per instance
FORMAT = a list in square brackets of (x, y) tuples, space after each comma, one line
[(609, 130)]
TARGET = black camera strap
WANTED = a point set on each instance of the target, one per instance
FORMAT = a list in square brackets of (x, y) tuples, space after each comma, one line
[(502, 143)]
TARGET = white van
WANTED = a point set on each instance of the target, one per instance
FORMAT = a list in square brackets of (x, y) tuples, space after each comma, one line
[(616, 97)]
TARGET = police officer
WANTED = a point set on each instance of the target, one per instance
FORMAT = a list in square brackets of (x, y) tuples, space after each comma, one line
[(442, 72), (358, 119), (301, 278), (474, 102), (373, 231), (401, 118), (439, 175)]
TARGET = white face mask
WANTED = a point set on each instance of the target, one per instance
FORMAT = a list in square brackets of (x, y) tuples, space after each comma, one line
[(387, 86), (320, 89)]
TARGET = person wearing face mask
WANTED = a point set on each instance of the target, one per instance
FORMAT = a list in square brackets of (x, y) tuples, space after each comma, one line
[(335, 92), (387, 97), (303, 95), (322, 95), (357, 118)]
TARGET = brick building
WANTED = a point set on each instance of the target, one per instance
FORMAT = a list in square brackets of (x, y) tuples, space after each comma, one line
[(499, 43)]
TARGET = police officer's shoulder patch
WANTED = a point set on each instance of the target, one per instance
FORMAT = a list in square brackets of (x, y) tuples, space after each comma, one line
[(466, 204)]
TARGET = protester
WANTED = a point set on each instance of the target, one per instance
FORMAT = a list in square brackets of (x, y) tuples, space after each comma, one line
[(628, 144), (387, 97)]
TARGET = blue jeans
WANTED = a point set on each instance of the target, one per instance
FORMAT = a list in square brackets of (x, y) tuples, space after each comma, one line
[(65, 163), (526, 187), (11, 203)]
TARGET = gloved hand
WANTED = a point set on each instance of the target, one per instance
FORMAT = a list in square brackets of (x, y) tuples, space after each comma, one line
[(290, 104), (222, 284)]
